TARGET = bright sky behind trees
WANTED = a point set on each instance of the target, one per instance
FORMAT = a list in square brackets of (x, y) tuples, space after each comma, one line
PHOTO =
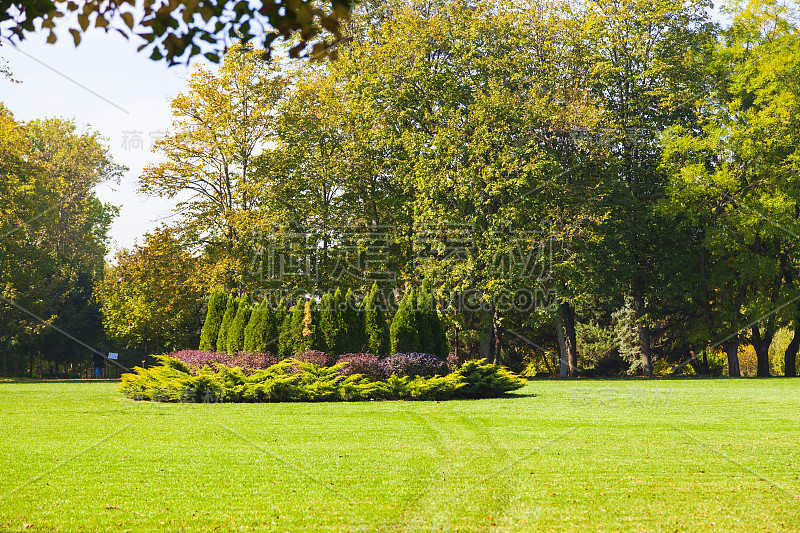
[(124, 95)]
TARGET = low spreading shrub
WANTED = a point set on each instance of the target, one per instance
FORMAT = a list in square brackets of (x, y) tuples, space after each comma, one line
[(294, 380), (365, 364), (421, 387), (289, 380), (483, 380), (414, 364)]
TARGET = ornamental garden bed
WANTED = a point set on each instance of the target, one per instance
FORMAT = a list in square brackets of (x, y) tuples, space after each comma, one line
[(193, 376)]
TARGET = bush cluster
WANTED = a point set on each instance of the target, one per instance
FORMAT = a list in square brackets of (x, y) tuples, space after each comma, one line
[(294, 380)]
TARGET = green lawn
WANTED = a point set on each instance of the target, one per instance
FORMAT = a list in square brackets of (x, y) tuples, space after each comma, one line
[(668, 455)]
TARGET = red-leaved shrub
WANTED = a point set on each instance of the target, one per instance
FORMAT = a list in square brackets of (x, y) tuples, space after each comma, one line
[(316, 357), (247, 361), (362, 363), (414, 364)]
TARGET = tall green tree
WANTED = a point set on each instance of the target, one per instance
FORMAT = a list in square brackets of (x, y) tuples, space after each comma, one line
[(220, 123), (148, 298), (649, 59), (733, 175), (53, 235)]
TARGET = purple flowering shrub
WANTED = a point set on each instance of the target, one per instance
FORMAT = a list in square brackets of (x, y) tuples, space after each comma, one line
[(362, 363), (414, 364), (247, 361)]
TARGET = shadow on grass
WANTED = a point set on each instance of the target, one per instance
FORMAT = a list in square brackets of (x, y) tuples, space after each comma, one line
[(638, 379)]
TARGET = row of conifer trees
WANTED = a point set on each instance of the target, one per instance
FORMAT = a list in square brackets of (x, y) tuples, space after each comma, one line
[(336, 324)]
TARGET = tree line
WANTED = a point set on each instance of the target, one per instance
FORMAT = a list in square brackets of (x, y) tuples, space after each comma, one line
[(53, 239), (582, 186), (336, 325)]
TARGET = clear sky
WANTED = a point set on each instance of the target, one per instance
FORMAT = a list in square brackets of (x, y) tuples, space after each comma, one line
[(105, 85)]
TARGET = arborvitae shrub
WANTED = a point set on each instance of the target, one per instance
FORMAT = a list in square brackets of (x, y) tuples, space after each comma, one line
[(238, 325), (227, 318), (295, 334), (354, 338), (216, 310), (312, 338), (340, 334), (404, 334), (286, 340), (267, 331), (331, 323), (253, 325), (280, 312), (422, 315), (376, 329)]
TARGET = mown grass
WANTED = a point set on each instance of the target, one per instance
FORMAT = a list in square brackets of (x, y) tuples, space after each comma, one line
[(661, 455)]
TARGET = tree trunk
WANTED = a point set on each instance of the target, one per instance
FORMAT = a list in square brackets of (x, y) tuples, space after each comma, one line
[(485, 343), (698, 369), (562, 346), (790, 355), (644, 331), (5, 359), (732, 351), (30, 363), (496, 342), (455, 346), (568, 316), (761, 346)]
